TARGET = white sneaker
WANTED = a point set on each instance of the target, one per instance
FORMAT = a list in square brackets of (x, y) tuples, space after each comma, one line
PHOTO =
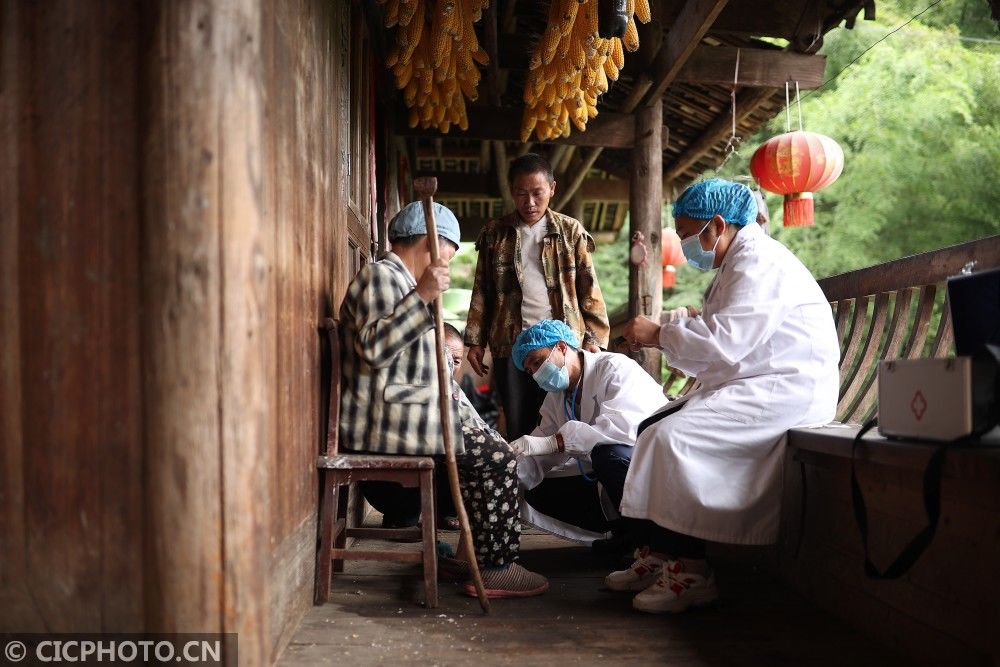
[(675, 591), (642, 573)]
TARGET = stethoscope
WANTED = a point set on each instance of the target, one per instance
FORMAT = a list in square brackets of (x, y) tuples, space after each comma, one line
[(569, 407)]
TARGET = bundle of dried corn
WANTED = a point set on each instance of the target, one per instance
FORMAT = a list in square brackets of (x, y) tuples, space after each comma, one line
[(571, 66), (434, 59)]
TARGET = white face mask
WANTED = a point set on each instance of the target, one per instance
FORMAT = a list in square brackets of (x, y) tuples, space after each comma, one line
[(697, 256)]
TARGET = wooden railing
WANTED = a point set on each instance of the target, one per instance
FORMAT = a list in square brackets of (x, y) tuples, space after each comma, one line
[(896, 310)]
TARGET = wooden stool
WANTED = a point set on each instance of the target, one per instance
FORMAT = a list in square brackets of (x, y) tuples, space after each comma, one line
[(339, 470)]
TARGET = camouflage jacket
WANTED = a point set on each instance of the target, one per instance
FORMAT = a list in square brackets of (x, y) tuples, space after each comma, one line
[(495, 312)]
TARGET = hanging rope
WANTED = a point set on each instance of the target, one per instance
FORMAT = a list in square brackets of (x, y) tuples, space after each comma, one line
[(798, 103), (734, 140), (788, 113)]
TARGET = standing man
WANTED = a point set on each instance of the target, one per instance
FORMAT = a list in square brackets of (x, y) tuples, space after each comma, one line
[(534, 265)]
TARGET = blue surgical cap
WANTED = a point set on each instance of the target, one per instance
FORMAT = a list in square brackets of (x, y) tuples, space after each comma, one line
[(544, 334), (704, 200), (410, 222)]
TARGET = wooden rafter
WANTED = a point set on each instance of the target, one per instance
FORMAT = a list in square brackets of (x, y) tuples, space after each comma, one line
[(609, 129), (487, 186), (709, 65), (759, 68), (692, 23), (746, 103)]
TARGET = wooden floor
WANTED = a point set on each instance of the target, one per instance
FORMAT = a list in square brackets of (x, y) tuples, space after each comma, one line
[(376, 616)]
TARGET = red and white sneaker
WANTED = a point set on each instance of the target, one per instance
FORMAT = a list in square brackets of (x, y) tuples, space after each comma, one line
[(676, 590), (642, 573)]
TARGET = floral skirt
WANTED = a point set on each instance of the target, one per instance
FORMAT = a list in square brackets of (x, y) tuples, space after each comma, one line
[(487, 474)]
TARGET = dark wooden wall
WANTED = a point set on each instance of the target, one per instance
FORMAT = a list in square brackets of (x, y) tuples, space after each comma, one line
[(172, 229), (70, 370)]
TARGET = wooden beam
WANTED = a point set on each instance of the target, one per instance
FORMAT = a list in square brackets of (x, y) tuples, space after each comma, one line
[(490, 44), (578, 179), (500, 169), (609, 129), (692, 23), (758, 67), (645, 282), (565, 162), (486, 186), (746, 103), (706, 65), (759, 18)]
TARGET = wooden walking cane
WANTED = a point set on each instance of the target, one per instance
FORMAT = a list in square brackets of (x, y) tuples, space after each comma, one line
[(426, 186)]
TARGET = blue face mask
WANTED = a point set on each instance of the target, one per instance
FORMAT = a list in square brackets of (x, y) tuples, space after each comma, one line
[(697, 256), (550, 377)]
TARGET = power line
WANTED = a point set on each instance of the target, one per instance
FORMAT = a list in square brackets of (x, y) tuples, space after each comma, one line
[(884, 37), (961, 38)]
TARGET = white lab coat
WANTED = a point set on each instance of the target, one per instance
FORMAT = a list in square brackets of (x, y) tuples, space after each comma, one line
[(765, 350), (616, 395)]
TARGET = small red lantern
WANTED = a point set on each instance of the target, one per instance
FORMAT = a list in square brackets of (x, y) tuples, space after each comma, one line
[(796, 164), (672, 256)]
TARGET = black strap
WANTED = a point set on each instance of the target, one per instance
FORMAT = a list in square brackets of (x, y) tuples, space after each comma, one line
[(932, 505), (802, 514), (655, 417)]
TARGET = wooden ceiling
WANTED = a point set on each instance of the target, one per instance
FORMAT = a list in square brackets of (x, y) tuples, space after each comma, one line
[(687, 56)]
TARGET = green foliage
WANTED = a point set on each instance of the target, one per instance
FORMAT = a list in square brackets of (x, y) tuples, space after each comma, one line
[(463, 266), (918, 118)]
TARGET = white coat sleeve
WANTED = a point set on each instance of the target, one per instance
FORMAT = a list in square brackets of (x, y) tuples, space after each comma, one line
[(531, 469), (743, 311), (552, 419), (617, 422)]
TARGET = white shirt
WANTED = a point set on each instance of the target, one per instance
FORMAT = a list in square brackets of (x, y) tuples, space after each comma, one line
[(535, 304)]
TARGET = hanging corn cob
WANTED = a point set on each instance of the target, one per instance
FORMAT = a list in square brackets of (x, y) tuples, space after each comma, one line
[(571, 66), (434, 59)]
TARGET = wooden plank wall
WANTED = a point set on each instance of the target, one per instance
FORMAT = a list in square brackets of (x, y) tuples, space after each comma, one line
[(70, 369), (172, 198), (306, 89)]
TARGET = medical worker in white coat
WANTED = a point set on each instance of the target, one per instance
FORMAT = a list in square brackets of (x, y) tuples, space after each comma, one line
[(709, 466), (589, 419)]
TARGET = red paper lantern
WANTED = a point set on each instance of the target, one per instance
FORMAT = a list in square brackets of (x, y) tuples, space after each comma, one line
[(796, 164), (669, 276), (672, 256)]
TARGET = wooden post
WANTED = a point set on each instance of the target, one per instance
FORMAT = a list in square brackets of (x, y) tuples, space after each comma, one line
[(500, 165), (206, 325), (645, 283), (576, 207)]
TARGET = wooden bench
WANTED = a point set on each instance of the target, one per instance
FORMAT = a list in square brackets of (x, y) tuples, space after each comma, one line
[(946, 607)]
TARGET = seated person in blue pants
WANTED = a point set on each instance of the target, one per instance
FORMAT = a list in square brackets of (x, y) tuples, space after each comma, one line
[(583, 445)]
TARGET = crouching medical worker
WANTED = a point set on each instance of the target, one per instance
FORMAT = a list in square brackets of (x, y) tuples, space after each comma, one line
[(589, 418), (709, 465)]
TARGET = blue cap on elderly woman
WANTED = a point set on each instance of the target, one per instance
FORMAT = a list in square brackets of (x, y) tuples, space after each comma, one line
[(410, 222), (544, 334), (733, 201)]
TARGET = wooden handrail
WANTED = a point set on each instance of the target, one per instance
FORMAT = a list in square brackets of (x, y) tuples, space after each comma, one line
[(914, 271)]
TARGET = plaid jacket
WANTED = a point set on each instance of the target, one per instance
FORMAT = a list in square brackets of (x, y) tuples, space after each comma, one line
[(495, 313), (389, 389)]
